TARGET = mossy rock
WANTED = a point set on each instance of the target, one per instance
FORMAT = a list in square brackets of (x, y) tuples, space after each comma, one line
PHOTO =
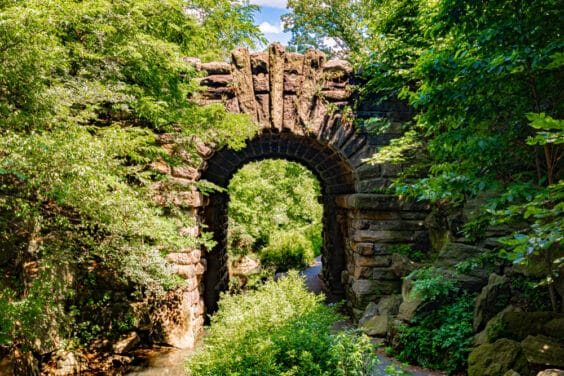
[(519, 325), (389, 305), (494, 359), (555, 328), (453, 253), (377, 326), (493, 298), (542, 352), (511, 373)]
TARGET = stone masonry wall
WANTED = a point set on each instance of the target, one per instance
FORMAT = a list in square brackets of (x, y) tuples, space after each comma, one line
[(178, 319)]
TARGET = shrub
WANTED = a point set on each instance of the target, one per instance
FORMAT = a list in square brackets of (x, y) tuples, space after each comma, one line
[(279, 329), (440, 338), (441, 332), (287, 250), (408, 251)]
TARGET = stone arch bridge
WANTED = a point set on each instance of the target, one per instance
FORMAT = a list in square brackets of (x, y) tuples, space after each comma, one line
[(303, 104)]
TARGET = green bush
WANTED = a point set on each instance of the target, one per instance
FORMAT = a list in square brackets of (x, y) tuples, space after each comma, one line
[(287, 250), (441, 333), (279, 329), (440, 338)]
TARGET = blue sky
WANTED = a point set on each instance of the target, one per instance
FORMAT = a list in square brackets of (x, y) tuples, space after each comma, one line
[(269, 20)]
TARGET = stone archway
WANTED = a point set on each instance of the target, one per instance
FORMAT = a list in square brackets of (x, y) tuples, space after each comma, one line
[(334, 174), (303, 105)]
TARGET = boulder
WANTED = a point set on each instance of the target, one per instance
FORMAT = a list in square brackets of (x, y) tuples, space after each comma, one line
[(494, 327), (494, 296), (377, 326), (370, 311), (519, 325), (494, 359), (470, 282), (70, 363), (453, 253), (555, 328), (511, 373), (408, 309), (389, 305), (543, 351), (402, 265)]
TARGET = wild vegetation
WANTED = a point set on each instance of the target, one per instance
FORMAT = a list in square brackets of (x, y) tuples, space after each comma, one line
[(281, 329), (85, 89), (485, 81)]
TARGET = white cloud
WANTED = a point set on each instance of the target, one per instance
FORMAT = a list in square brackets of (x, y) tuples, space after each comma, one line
[(270, 3), (268, 28)]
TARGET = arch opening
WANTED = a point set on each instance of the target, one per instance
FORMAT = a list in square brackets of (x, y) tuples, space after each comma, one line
[(334, 175), (275, 221)]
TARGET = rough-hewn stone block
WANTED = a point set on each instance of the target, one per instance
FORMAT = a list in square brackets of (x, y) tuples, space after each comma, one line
[(193, 231), (360, 260), (183, 258), (369, 201), (216, 67), (186, 172), (336, 95), (189, 271), (341, 67), (243, 80), (373, 185), (217, 80), (276, 66), (383, 236)]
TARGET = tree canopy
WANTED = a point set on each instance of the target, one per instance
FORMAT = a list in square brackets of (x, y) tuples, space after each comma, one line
[(485, 79), (86, 87)]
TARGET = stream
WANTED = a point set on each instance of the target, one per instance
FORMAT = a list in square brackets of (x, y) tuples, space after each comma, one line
[(162, 361), (169, 361)]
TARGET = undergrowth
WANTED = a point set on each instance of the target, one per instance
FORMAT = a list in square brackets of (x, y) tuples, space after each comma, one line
[(280, 329)]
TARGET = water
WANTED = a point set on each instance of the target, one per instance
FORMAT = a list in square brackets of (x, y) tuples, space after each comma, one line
[(162, 361)]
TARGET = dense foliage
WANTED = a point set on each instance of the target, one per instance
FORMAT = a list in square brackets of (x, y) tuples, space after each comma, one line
[(330, 26), (85, 89), (285, 251), (441, 333), (279, 329), (486, 82), (274, 212)]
